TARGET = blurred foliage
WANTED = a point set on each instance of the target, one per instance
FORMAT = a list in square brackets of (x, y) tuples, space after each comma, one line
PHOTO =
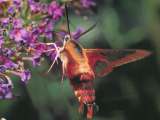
[(131, 92)]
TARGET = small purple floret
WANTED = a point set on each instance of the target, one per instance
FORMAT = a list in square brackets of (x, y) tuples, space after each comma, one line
[(55, 10), (87, 3), (6, 87), (25, 76), (19, 35)]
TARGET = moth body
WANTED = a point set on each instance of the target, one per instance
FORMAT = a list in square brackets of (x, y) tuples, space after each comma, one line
[(76, 67)]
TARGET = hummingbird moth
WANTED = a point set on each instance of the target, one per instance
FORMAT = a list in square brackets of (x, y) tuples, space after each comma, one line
[(79, 66)]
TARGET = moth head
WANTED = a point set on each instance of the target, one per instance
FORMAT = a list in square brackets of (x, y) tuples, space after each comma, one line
[(67, 37)]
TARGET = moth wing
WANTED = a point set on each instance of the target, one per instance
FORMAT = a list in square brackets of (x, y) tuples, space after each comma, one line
[(113, 58)]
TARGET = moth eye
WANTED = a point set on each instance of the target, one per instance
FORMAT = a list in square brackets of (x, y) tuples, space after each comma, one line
[(78, 50), (67, 37)]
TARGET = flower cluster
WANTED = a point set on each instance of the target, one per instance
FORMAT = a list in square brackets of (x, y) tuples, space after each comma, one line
[(27, 31)]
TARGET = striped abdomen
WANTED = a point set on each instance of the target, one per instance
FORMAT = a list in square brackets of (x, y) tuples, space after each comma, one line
[(85, 93)]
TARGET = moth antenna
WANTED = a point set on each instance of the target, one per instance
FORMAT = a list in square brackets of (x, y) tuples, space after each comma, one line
[(67, 19), (88, 30)]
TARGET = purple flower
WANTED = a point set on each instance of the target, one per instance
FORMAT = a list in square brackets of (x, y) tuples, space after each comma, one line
[(87, 3), (44, 8), (32, 36), (4, 21), (11, 10), (19, 35), (8, 52), (48, 34), (39, 49), (34, 6), (1, 1), (17, 23), (25, 76), (17, 2), (46, 28), (1, 41), (1, 11), (10, 65), (55, 10), (7, 63), (36, 61), (6, 87), (37, 6), (2, 68)]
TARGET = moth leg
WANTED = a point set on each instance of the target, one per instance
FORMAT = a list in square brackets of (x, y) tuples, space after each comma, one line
[(49, 43), (56, 57), (63, 69)]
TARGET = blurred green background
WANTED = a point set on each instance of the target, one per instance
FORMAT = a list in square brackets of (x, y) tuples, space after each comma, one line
[(131, 92)]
